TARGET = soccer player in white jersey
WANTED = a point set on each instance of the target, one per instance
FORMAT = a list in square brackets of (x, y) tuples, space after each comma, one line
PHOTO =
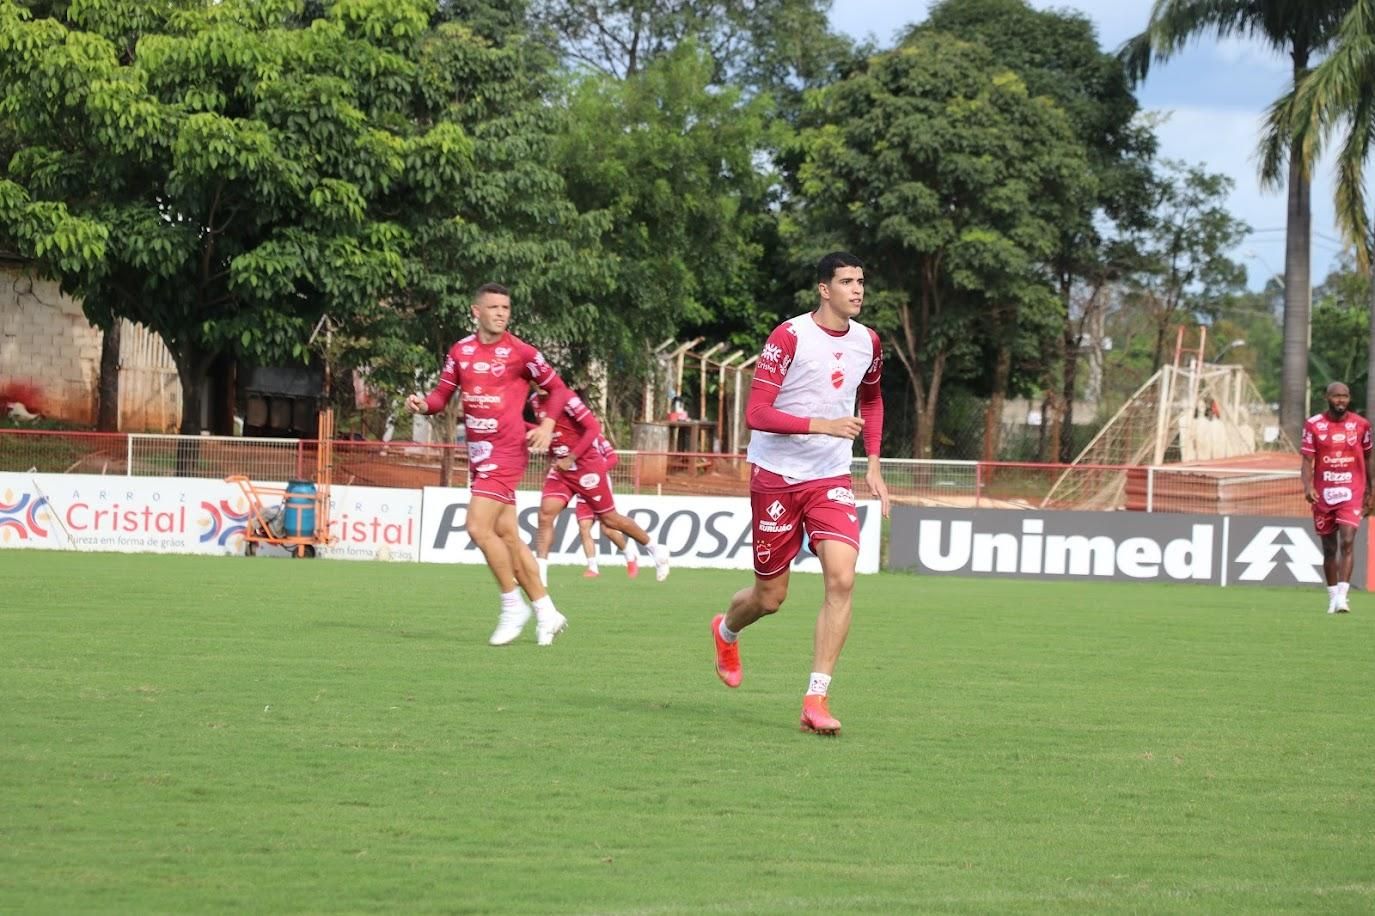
[(802, 413)]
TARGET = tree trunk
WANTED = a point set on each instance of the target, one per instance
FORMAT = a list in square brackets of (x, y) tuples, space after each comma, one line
[(191, 366), (1298, 243), (919, 403), (1370, 352), (926, 420), (993, 416), (107, 417), (1073, 341)]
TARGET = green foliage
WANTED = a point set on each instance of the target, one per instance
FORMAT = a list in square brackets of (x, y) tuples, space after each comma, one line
[(674, 165), (938, 167)]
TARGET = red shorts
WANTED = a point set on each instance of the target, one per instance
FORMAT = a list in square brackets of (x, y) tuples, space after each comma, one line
[(825, 509), (589, 481), (1326, 518), (584, 511), (495, 473), (497, 485)]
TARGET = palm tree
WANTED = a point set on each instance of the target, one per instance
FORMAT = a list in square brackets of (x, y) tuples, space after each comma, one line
[(1299, 28), (1339, 91)]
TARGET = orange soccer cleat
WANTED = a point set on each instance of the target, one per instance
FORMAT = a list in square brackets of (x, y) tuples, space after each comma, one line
[(590, 573), (816, 718), (727, 655), (632, 567)]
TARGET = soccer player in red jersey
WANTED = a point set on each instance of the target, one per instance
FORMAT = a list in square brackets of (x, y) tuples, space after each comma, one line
[(493, 369), (579, 469), (1336, 454), (586, 518), (802, 412)]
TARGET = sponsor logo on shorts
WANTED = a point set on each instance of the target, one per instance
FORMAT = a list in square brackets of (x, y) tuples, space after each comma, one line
[(588, 481), (478, 452), (1335, 495), (776, 510), (843, 495)]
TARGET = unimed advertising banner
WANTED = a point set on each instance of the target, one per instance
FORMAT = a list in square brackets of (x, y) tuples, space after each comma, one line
[(1126, 546), (184, 515), (699, 531)]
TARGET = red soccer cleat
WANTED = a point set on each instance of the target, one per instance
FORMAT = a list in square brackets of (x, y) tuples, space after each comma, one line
[(632, 568), (590, 574), (816, 718), (727, 655)]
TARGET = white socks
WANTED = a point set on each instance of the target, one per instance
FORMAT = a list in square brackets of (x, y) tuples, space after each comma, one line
[(543, 564), (820, 683), (592, 564), (544, 607), (631, 551), (726, 632), (511, 601)]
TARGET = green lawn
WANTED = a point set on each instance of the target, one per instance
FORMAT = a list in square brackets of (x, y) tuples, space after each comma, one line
[(187, 735)]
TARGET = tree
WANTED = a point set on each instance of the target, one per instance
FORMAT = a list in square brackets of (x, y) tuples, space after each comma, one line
[(1184, 272), (1057, 55), (936, 165), (1301, 29), (674, 165), (1340, 90)]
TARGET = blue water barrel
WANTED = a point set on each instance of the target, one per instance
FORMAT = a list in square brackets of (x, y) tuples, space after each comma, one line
[(299, 517)]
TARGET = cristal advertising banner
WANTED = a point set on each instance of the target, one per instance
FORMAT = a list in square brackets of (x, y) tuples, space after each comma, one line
[(1122, 546), (699, 531), (186, 515)]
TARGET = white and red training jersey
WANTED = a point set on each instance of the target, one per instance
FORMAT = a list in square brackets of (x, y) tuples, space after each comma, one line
[(1338, 448), (807, 371), (494, 380)]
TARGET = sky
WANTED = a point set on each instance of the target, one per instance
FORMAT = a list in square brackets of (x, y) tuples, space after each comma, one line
[(1215, 94)]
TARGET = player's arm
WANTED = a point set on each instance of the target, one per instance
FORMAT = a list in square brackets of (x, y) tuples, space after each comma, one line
[(1308, 450), (871, 412), (444, 390), (586, 421), (542, 374)]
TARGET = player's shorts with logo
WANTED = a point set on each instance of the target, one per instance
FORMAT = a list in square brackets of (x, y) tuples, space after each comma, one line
[(583, 510), (495, 474), (824, 509), (588, 481), (1326, 517)]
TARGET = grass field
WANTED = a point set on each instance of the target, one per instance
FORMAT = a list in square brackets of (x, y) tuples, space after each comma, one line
[(187, 735)]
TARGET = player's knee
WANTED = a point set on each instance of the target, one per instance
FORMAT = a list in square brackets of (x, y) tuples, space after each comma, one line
[(840, 581), (770, 597)]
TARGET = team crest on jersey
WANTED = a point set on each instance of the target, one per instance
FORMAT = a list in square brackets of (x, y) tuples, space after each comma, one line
[(498, 369), (838, 371)]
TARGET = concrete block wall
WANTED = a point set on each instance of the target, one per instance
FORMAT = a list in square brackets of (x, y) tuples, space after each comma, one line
[(49, 352)]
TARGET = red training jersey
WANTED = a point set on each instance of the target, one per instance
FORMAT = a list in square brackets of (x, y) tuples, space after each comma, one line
[(1339, 449), (576, 428), (493, 380)]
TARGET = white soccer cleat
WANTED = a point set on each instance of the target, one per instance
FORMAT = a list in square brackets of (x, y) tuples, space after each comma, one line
[(660, 562), (549, 627), (510, 624), (1342, 607)]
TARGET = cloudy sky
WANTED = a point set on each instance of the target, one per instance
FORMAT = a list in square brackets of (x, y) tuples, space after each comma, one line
[(1215, 94)]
